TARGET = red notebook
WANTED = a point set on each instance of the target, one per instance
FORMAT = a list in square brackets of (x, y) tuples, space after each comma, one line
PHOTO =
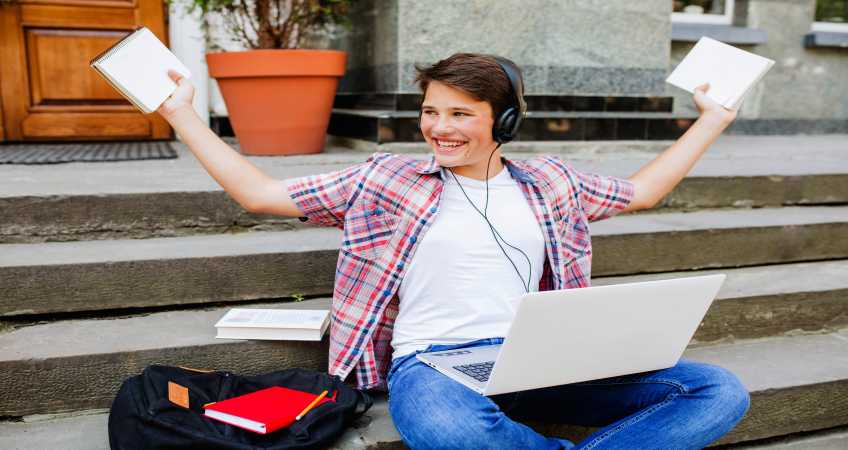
[(265, 410)]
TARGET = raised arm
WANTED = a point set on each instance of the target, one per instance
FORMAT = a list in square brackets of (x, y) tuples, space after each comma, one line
[(656, 179), (254, 190)]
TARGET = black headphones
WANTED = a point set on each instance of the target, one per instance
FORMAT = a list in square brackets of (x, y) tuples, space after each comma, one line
[(505, 127)]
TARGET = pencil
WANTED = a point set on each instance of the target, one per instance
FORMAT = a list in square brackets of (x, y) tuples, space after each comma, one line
[(311, 405)]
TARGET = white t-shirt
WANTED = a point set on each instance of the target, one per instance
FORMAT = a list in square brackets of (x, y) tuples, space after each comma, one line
[(459, 286)]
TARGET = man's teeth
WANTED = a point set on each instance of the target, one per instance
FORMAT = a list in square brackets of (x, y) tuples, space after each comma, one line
[(449, 144)]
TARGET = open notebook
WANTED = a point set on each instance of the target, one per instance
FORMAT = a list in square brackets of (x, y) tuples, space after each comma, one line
[(137, 67), (730, 71)]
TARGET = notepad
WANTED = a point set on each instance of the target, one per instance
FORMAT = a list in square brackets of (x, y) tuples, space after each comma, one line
[(263, 411), (274, 324), (731, 72), (137, 67)]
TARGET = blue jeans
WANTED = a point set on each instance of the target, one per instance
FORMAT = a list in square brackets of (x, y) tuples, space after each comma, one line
[(687, 406)]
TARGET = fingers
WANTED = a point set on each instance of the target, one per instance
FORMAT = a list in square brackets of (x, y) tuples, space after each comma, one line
[(175, 75), (703, 88)]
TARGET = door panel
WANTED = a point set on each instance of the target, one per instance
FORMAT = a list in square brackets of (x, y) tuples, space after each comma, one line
[(93, 17), (47, 89), (2, 128), (61, 77), (84, 126)]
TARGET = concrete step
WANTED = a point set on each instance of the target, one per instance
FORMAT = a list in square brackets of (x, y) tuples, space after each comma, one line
[(835, 439), (176, 197), (115, 274), (48, 359), (79, 364), (630, 244), (87, 430), (96, 275), (798, 384), (32, 219), (767, 301)]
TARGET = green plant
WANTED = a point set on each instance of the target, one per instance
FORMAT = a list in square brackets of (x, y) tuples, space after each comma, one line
[(269, 24), (831, 11), (298, 297)]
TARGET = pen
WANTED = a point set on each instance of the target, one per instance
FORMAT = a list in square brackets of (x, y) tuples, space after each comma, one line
[(311, 405)]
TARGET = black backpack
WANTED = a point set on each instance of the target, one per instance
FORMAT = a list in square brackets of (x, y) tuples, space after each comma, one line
[(142, 416)]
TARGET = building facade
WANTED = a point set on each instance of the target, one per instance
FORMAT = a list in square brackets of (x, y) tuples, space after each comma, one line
[(593, 69)]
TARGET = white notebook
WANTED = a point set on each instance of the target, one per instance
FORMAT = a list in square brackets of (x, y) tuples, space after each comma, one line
[(274, 324), (730, 71), (137, 67)]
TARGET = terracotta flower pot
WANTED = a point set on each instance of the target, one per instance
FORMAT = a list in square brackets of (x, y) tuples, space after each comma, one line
[(279, 101)]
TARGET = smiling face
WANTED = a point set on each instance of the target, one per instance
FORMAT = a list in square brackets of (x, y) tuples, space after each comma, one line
[(458, 128)]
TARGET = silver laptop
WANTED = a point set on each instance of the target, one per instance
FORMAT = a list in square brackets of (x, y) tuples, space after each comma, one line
[(573, 335)]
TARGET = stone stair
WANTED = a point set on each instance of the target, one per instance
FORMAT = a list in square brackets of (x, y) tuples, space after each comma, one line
[(70, 276), (105, 270)]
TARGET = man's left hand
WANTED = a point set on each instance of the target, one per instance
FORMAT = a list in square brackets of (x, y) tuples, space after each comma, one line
[(710, 109)]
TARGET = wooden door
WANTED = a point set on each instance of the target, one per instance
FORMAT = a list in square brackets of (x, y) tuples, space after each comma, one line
[(47, 90)]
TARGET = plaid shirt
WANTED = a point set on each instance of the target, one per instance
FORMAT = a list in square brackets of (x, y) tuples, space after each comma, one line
[(385, 206)]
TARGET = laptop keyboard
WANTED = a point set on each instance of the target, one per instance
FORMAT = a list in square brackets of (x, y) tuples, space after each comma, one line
[(478, 371)]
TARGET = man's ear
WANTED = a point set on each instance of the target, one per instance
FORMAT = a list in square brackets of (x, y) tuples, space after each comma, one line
[(421, 107)]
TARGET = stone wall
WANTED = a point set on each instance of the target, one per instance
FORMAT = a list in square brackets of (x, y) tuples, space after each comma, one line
[(804, 83), (586, 47), (564, 46)]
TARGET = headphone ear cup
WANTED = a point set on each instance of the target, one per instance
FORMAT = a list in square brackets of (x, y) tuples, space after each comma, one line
[(505, 126), (516, 124)]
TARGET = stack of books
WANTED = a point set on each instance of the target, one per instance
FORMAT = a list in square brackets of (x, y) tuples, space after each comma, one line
[(274, 324)]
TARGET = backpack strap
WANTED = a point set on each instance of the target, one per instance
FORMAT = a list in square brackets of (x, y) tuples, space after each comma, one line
[(362, 399)]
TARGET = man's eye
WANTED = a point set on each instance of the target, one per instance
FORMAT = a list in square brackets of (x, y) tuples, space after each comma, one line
[(460, 114), (430, 113)]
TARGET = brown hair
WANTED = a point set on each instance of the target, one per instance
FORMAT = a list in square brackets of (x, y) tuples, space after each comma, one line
[(480, 76)]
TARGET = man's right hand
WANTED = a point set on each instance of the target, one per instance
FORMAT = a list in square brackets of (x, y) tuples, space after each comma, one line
[(180, 99)]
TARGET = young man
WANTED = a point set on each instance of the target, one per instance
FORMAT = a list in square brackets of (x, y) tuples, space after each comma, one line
[(434, 250)]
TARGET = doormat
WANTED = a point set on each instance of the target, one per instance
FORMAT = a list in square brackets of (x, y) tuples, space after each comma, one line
[(85, 152)]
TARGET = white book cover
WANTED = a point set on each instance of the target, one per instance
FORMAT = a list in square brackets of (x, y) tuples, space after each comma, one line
[(730, 71), (273, 324), (137, 66)]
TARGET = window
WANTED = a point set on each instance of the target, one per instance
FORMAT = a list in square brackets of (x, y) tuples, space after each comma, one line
[(831, 15), (703, 11)]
